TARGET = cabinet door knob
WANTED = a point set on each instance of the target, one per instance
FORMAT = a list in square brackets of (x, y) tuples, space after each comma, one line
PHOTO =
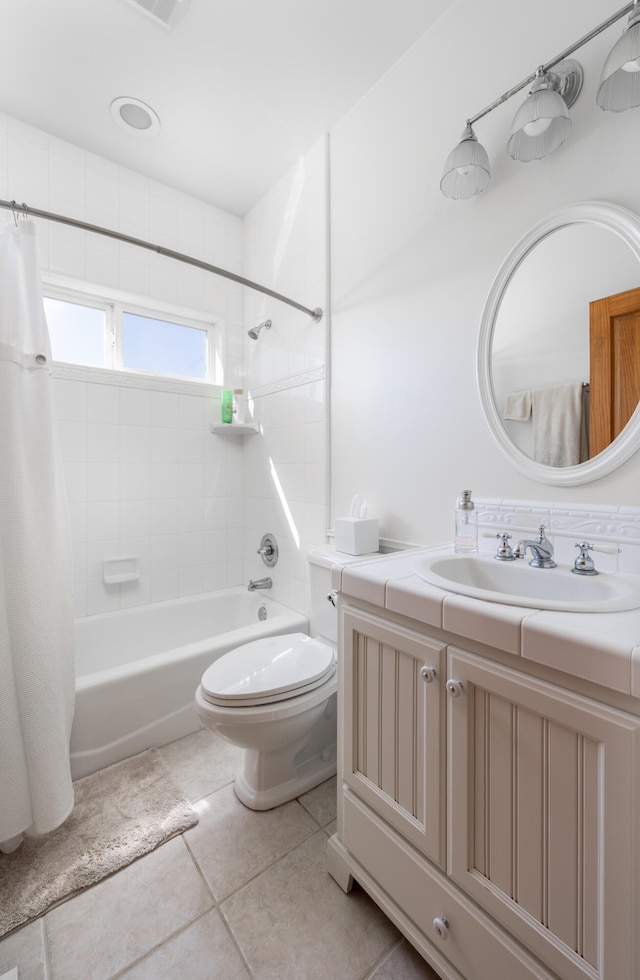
[(428, 674), (441, 927), (333, 597), (454, 688)]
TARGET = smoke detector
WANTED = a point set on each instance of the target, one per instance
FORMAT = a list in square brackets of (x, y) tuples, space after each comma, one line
[(135, 116), (164, 12)]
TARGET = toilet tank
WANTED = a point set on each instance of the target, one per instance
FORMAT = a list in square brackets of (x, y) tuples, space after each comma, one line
[(324, 615)]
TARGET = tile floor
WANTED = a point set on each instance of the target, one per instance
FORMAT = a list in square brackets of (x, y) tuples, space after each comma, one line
[(241, 895)]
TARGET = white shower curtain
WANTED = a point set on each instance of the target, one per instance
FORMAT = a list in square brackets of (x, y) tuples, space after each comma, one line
[(36, 599)]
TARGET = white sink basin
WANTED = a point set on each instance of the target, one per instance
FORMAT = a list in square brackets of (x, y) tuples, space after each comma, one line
[(516, 583)]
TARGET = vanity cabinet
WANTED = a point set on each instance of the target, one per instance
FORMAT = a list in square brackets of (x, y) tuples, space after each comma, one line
[(393, 738), (490, 813)]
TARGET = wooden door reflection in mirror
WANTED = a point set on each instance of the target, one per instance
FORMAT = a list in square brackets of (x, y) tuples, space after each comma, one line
[(614, 341)]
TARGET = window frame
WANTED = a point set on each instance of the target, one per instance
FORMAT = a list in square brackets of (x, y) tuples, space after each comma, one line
[(116, 302)]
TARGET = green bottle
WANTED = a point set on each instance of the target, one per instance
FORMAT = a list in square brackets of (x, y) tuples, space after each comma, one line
[(227, 406)]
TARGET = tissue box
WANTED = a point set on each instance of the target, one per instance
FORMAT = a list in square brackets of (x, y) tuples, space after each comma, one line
[(356, 535)]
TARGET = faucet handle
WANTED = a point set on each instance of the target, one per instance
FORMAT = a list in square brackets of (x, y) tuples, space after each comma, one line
[(268, 550), (505, 551), (583, 564)]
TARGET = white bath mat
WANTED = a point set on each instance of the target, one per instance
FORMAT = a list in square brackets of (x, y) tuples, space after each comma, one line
[(120, 813)]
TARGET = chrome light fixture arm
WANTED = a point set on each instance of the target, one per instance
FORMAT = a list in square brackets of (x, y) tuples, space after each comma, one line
[(466, 171), (555, 61)]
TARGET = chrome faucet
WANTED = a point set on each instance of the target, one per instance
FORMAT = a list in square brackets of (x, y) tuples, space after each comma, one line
[(259, 583), (541, 549)]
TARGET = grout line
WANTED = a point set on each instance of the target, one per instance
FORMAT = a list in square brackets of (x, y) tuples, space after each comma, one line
[(254, 878), (321, 826), (382, 959), (236, 944), (267, 867), (200, 872), (307, 812), (154, 949), (48, 968)]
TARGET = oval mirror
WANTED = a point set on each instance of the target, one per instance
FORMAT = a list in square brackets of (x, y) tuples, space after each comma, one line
[(558, 359)]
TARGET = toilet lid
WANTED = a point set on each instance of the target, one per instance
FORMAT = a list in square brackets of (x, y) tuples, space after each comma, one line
[(270, 669)]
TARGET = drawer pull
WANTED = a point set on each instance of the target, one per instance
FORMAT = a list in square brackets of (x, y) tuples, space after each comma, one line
[(428, 674), (454, 688), (441, 927)]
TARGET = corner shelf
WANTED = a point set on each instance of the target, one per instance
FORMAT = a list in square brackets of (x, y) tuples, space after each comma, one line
[(233, 428)]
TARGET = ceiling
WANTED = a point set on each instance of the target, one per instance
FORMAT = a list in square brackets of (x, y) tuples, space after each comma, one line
[(242, 87)]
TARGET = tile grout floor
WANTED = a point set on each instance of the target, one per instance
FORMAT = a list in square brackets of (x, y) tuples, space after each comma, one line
[(241, 895)]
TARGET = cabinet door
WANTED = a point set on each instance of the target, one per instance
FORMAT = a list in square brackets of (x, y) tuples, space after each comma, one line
[(392, 703), (543, 816)]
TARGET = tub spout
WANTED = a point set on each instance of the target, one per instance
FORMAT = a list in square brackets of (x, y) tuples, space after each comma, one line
[(260, 583)]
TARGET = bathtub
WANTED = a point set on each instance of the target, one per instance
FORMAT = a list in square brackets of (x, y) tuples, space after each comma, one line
[(137, 669)]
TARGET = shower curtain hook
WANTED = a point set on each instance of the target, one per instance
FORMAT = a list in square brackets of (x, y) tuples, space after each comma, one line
[(18, 210)]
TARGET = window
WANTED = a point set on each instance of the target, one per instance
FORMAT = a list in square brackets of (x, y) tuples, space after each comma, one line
[(113, 333), (163, 347), (77, 333)]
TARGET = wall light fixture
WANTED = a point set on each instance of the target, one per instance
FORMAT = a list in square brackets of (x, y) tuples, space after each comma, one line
[(620, 80), (466, 172), (542, 122)]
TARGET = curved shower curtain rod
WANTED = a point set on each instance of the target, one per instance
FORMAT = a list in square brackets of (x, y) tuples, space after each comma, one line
[(316, 315)]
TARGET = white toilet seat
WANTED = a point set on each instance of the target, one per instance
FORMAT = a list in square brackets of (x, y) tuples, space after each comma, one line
[(272, 669)]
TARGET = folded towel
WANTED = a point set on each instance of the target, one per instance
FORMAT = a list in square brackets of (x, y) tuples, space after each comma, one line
[(517, 406)]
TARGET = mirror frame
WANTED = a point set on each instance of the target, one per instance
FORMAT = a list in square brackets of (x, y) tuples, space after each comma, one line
[(613, 218)]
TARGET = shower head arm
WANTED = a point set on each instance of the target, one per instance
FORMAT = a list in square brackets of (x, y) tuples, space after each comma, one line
[(255, 331)]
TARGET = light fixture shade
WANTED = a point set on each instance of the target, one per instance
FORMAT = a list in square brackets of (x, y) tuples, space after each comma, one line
[(540, 125), (619, 87), (466, 171)]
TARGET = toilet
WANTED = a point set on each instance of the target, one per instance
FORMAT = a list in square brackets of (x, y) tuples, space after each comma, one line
[(276, 699)]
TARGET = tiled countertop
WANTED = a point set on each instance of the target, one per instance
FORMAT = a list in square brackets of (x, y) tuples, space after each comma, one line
[(603, 648)]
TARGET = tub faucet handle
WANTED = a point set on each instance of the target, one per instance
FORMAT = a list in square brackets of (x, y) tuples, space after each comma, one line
[(268, 550)]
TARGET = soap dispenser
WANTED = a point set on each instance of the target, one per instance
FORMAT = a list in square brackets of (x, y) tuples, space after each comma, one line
[(466, 539)]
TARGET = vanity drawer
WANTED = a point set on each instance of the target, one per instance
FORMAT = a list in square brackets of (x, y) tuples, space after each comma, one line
[(476, 946)]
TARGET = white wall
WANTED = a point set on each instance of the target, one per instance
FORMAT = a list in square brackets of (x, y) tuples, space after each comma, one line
[(286, 465), (144, 474), (411, 269)]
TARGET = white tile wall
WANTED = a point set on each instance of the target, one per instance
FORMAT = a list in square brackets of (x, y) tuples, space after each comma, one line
[(153, 482), (144, 475)]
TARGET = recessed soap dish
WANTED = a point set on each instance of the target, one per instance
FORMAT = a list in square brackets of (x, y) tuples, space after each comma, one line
[(118, 570)]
